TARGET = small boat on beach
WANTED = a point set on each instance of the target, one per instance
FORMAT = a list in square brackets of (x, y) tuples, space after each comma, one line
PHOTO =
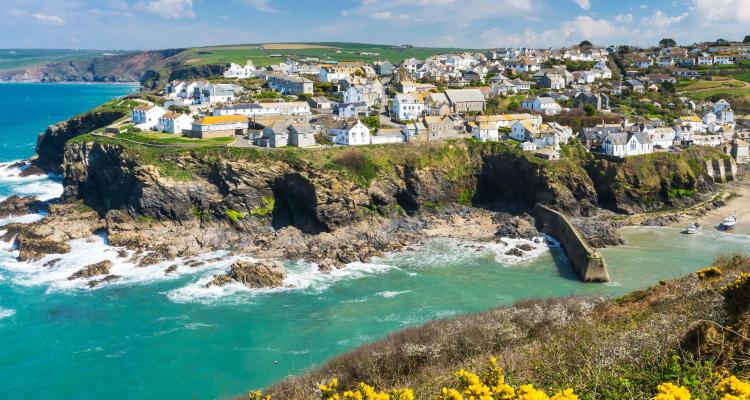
[(693, 228), (729, 223)]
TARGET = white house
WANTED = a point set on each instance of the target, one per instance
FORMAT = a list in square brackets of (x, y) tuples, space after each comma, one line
[(239, 71), (350, 133), (623, 144), (173, 122), (485, 131), (147, 117), (407, 107), (544, 105), (692, 122), (661, 137)]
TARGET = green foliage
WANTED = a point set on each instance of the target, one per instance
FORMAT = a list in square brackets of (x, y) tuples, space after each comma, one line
[(234, 215), (267, 95), (197, 212), (678, 193), (264, 210), (146, 219), (465, 197), (372, 122)]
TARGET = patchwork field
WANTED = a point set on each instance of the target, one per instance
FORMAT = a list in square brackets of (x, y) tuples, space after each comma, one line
[(12, 59), (273, 53)]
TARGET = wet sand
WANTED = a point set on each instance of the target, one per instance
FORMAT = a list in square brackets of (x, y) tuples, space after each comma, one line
[(739, 205)]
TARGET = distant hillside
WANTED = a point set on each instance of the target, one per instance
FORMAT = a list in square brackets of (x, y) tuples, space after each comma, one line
[(154, 68), (83, 67)]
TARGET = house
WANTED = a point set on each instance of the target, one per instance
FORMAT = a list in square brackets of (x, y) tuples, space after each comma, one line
[(635, 85), (352, 110), (289, 84), (437, 104), (408, 107), (661, 137), (408, 87), (544, 105), (172, 122), (146, 117), (384, 68), (623, 144), (465, 100), (410, 66), (552, 81), (484, 131), (275, 135), (274, 109), (301, 135), (740, 150), (320, 103), (386, 136), (548, 153), (239, 71), (219, 93), (433, 128), (642, 62), (543, 135), (219, 126), (692, 122), (350, 133), (600, 101), (369, 93)]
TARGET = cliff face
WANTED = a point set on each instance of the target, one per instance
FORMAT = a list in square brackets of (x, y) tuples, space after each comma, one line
[(128, 67), (50, 145), (321, 198)]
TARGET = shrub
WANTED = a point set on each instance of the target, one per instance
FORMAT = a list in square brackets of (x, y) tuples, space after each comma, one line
[(265, 209), (234, 215), (358, 164), (708, 273)]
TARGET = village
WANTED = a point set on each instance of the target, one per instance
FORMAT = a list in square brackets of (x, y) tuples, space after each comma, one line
[(615, 101)]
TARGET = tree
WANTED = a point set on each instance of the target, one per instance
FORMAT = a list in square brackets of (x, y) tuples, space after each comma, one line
[(589, 109), (746, 39), (585, 43), (667, 43)]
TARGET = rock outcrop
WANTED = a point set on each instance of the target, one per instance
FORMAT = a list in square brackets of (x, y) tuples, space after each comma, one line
[(100, 268), (16, 205), (262, 274)]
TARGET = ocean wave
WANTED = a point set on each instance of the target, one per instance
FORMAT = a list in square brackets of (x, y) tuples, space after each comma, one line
[(6, 312), (392, 293), (45, 187), (89, 251), (301, 276)]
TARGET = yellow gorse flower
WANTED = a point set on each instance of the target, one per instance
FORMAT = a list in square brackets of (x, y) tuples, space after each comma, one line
[(708, 273), (529, 392), (733, 388), (566, 394), (670, 391), (741, 279)]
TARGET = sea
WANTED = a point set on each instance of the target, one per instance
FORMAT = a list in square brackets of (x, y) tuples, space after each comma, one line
[(150, 335)]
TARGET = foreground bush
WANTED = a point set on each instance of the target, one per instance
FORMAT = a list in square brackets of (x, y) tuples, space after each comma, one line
[(491, 385)]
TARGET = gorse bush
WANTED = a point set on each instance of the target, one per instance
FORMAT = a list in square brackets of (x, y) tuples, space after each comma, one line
[(491, 385)]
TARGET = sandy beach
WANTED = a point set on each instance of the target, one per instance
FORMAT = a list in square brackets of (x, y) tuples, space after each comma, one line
[(738, 205)]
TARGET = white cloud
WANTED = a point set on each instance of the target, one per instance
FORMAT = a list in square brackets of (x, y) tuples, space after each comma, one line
[(48, 19), (624, 18), (389, 16), (171, 9), (447, 11), (262, 6), (585, 4), (567, 33), (723, 11), (661, 20)]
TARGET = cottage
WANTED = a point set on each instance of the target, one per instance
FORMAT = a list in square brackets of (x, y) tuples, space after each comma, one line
[(350, 133), (239, 71), (387, 136), (352, 110), (146, 117), (623, 144), (544, 105), (172, 122), (408, 107), (599, 101), (740, 151), (275, 135), (661, 137), (219, 126), (465, 100), (320, 103), (289, 84)]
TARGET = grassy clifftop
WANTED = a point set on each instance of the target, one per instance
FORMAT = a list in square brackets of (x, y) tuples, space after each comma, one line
[(691, 332)]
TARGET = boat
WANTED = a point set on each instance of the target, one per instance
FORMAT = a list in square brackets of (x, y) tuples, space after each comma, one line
[(729, 222), (693, 228)]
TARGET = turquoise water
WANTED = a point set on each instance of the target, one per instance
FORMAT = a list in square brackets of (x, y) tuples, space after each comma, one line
[(157, 336)]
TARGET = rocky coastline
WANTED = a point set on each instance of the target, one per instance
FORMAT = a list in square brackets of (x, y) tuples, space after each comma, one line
[(280, 209)]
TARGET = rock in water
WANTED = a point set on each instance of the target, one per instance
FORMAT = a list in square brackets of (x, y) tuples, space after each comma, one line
[(258, 275), (31, 170), (100, 268), (262, 274), (516, 227), (109, 278), (514, 252), (16, 205), (525, 247)]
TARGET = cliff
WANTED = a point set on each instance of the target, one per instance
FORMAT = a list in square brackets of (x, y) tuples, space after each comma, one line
[(127, 67)]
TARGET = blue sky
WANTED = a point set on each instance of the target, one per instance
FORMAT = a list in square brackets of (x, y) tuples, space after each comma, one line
[(156, 24)]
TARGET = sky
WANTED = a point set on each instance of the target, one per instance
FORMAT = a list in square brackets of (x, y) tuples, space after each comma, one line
[(159, 24)]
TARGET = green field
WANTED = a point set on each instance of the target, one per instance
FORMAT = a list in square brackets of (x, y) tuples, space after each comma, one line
[(173, 139), (326, 52), (11, 59)]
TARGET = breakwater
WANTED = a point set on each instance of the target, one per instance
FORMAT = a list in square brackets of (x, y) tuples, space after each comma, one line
[(587, 262)]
